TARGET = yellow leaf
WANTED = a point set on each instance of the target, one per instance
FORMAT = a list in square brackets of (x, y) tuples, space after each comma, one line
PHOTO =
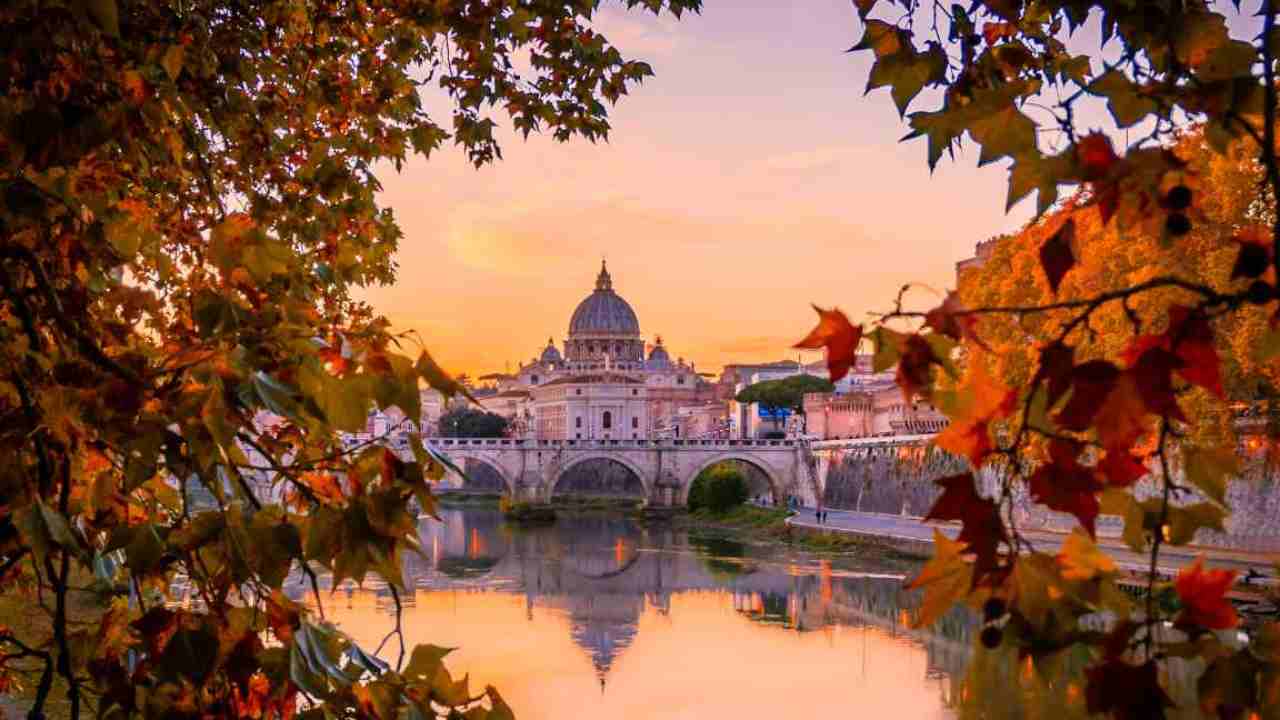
[(946, 579), (1080, 558)]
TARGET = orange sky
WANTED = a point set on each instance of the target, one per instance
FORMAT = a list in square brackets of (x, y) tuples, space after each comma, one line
[(749, 178)]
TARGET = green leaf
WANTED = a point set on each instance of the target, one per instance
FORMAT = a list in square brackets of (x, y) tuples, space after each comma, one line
[(144, 551), (425, 662), (275, 395), (1007, 133), (1128, 105), (888, 348), (190, 655)]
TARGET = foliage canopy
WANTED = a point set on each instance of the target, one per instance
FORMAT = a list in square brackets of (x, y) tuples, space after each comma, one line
[(472, 422), (1105, 363), (784, 393), (719, 488), (189, 198)]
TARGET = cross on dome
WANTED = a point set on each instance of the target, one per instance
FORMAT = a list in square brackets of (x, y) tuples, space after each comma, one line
[(603, 281)]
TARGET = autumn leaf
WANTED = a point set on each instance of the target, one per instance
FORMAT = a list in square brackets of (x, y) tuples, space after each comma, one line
[(1057, 361), (1121, 468), (1057, 256), (1091, 383), (1126, 692), (1152, 375), (1204, 597), (1095, 156), (840, 338), (982, 529), (950, 319), (915, 367), (1192, 340), (946, 579), (1063, 484), (978, 404), (1080, 558)]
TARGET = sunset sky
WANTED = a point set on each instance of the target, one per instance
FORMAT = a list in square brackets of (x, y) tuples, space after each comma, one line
[(749, 178)]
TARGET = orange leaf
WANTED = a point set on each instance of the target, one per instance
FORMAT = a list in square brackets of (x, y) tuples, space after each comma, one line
[(840, 338), (1204, 597), (969, 434)]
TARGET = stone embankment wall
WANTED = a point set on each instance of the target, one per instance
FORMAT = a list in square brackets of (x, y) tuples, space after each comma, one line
[(900, 482)]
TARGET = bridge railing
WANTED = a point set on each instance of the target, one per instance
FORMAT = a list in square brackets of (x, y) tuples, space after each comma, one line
[(876, 441), (610, 444)]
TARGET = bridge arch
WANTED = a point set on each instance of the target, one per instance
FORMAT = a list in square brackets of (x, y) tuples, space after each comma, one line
[(777, 486), (646, 483), (462, 458)]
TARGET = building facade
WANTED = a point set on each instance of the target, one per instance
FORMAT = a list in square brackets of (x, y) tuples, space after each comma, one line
[(603, 384)]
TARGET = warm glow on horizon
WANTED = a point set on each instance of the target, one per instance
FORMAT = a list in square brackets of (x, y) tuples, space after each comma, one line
[(746, 180)]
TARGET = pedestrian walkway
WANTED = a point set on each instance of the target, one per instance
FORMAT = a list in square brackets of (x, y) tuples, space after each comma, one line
[(913, 529)]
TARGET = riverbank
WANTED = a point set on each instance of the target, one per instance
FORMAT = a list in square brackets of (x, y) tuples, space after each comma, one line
[(916, 535), (772, 525)]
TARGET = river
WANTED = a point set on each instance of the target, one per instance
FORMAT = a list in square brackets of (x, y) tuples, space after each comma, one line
[(598, 616)]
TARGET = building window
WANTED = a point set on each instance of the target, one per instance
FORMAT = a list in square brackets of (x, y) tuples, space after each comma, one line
[(634, 391), (534, 379), (577, 422), (635, 423), (579, 436), (577, 391), (680, 380), (607, 420)]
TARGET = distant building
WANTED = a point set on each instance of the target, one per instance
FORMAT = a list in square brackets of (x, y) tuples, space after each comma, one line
[(603, 385), (870, 405), (981, 254)]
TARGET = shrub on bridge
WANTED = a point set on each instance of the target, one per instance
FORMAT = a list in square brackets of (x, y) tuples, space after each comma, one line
[(718, 489)]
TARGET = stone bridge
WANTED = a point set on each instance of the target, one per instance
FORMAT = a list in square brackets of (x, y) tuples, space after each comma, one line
[(531, 469)]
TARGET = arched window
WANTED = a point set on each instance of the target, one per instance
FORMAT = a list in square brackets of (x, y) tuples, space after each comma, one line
[(607, 421)]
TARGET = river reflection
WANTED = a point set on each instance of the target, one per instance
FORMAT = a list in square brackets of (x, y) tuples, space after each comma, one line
[(600, 617)]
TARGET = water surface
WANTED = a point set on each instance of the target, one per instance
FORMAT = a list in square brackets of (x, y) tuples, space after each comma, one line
[(600, 617)]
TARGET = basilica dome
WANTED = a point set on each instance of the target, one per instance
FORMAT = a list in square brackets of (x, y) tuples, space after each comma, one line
[(604, 312), (550, 354)]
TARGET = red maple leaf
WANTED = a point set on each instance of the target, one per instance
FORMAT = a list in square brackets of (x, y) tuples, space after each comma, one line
[(1152, 374), (1056, 255), (1063, 484), (913, 367), (1191, 339), (1056, 363), (840, 338), (1121, 468), (1091, 382), (1126, 692), (949, 319), (1095, 156), (982, 529), (1204, 597)]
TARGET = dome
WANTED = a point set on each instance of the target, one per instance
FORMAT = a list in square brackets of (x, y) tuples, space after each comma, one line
[(658, 356), (603, 312), (550, 354)]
